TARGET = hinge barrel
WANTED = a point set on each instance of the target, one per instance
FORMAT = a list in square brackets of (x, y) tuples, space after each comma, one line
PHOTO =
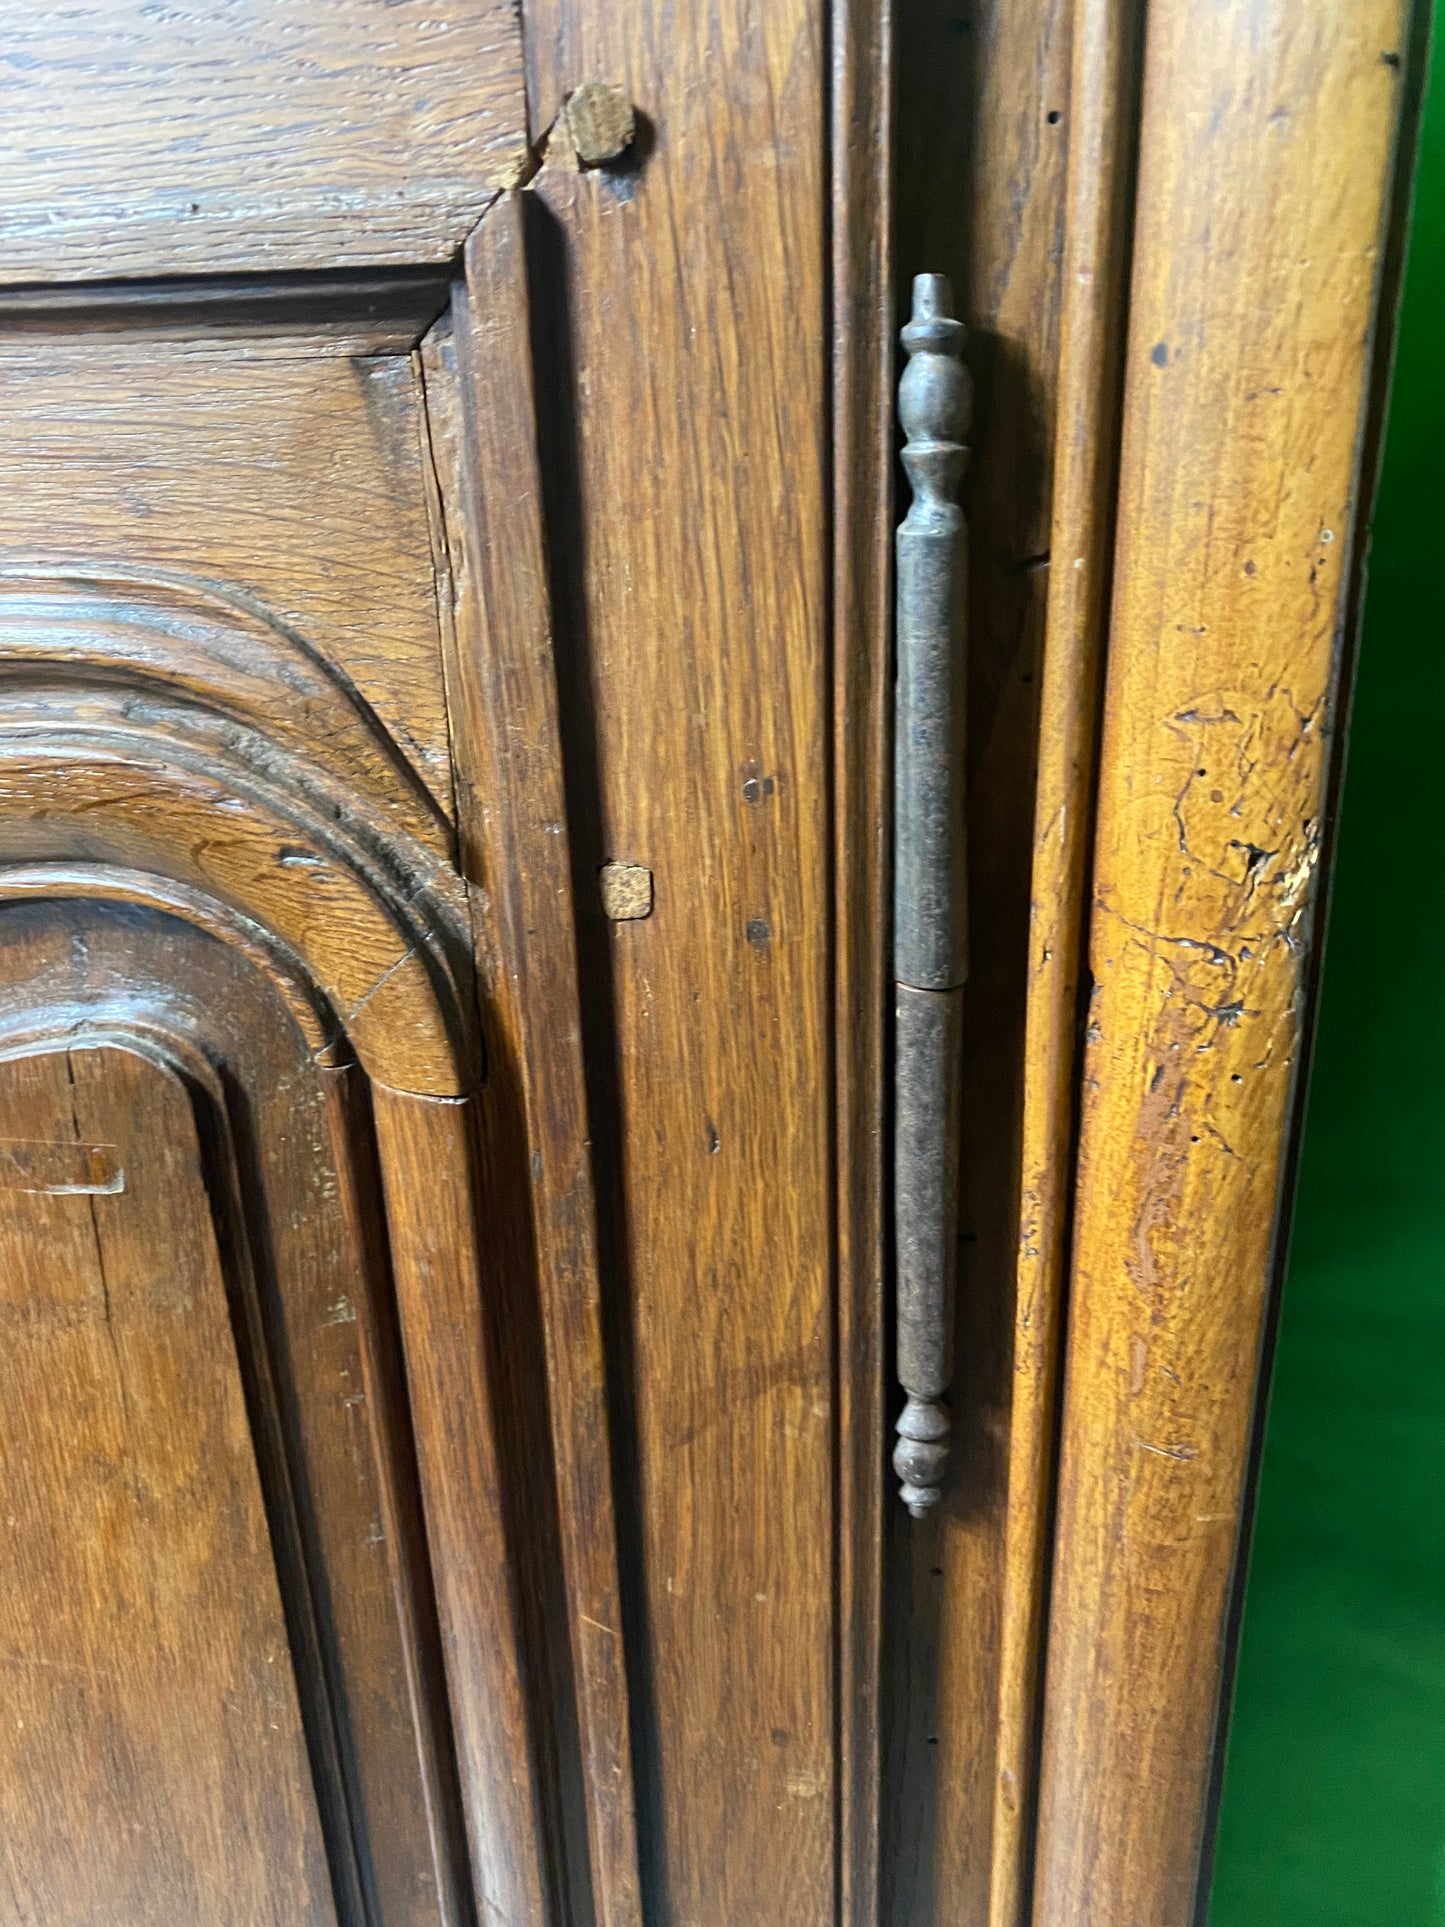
[(930, 927)]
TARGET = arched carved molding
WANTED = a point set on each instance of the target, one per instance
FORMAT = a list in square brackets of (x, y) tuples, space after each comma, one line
[(141, 764), (138, 755), (373, 1800), (153, 633), (313, 1016), (432, 1231)]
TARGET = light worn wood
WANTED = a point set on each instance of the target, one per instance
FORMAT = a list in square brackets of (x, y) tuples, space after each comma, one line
[(1256, 258), (981, 198), (229, 135), (1102, 131), (684, 464)]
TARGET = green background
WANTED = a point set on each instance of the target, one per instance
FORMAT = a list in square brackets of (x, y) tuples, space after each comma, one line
[(1334, 1794)]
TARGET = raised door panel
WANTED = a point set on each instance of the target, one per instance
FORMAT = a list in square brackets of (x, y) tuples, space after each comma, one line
[(280, 480), (271, 1299), (152, 1757), (205, 1448)]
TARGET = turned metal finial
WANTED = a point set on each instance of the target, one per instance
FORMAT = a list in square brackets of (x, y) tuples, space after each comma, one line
[(935, 401), (930, 943)]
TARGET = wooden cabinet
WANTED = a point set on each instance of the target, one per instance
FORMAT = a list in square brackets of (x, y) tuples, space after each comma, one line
[(446, 507)]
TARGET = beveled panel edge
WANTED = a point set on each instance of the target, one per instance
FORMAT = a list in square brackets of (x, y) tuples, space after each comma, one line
[(373, 310)]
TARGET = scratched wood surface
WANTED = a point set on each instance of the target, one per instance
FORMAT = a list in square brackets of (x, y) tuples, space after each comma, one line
[(981, 179), (1101, 118), (684, 426), (327, 1329), (1264, 177), (251, 135), (136, 1771)]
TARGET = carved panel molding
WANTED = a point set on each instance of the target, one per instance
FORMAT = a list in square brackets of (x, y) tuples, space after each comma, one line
[(163, 741), (216, 862)]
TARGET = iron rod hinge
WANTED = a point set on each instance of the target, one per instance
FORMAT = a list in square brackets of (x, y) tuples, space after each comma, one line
[(930, 906)]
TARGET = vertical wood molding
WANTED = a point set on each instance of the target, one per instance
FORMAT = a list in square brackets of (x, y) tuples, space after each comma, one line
[(428, 1154), (685, 301), (862, 406), (1264, 176), (1103, 126), (513, 819)]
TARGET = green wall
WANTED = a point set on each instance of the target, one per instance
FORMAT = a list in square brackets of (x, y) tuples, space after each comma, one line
[(1334, 1792)]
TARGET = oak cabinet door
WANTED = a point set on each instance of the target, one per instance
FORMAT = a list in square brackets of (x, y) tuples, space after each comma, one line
[(254, 1410)]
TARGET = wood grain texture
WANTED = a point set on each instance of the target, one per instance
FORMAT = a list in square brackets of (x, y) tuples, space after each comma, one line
[(981, 180), (430, 1166), (106, 794), (684, 432), (206, 715), (515, 847), (1264, 176), (293, 486), (307, 1282), (229, 135), (152, 1755), (861, 119), (1102, 118)]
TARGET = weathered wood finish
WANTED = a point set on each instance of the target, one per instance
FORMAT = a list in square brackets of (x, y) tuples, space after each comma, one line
[(863, 441), (221, 136), (395, 559), (179, 1062), (149, 1695), (1264, 165), (276, 475), (1102, 133), (429, 1162)]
